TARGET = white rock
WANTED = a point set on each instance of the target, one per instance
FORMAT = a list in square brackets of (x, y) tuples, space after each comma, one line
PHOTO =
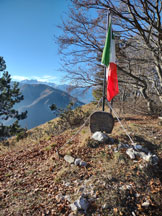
[(148, 157), (152, 159), (73, 207), (69, 159), (144, 156), (80, 204), (77, 161), (146, 204), (99, 136), (137, 195), (109, 146), (142, 166), (131, 153), (115, 149)]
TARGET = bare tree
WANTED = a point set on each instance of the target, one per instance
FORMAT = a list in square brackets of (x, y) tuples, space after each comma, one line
[(137, 26), (79, 47), (142, 18)]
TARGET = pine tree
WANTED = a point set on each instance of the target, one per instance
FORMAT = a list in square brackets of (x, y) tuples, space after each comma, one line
[(9, 95)]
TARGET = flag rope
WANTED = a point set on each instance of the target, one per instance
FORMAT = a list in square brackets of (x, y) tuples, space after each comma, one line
[(120, 122)]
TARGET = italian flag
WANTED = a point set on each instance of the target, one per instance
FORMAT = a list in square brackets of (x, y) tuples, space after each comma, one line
[(108, 60)]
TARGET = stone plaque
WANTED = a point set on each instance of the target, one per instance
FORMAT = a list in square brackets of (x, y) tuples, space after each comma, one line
[(101, 121)]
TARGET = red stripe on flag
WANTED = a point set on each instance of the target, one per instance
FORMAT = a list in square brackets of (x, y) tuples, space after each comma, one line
[(112, 82)]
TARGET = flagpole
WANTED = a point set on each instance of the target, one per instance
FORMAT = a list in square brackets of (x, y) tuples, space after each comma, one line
[(104, 81), (104, 85)]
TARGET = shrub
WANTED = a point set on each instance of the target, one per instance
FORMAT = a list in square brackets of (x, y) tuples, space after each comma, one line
[(69, 118)]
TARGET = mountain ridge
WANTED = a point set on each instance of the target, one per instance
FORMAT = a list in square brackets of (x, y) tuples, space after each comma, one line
[(84, 95), (37, 101)]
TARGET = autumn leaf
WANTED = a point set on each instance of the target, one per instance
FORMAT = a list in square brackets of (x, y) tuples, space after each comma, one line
[(115, 210)]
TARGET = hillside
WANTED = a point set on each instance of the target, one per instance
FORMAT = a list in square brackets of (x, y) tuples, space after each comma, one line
[(37, 99), (35, 179)]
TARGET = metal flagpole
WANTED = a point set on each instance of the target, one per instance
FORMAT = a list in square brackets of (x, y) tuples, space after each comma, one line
[(104, 82), (104, 86)]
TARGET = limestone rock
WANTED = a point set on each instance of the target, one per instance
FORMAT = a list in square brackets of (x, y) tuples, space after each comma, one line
[(146, 204), (99, 136), (80, 204), (69, 159), (148, 157), (74, 207), (131, 153), (144, 156)]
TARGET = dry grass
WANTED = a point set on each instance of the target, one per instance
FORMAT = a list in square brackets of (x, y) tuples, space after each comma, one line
[(32, 174)]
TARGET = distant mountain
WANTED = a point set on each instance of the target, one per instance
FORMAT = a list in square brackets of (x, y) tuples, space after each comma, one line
[(37, 99), (79, 93)]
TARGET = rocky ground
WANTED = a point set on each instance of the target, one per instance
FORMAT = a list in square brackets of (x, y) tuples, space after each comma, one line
[(36, 178)]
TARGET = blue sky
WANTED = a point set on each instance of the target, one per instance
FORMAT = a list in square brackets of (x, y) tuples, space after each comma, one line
[(27, 38)]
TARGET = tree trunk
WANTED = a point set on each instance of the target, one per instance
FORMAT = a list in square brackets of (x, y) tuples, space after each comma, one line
[(149, 101)]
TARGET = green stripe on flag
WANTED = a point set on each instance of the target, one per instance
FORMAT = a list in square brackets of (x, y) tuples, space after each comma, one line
[(106, 52)]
